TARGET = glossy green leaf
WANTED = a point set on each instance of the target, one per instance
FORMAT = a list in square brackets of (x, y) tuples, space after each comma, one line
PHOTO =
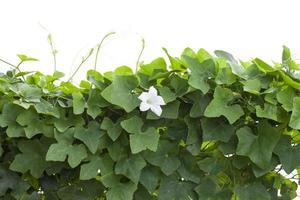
[(295, 117), (90, 136), (216, 130), (235, 66), (32, 157), (78, 103), (95, 166), (174, 189), (140, 140), (269, 111), (285, 96), (33, 125), (120, 92), (64, 148), (113, 129), (164, 157), (8, 119), (200, 73), (258, 148), (263, 66), (220, 106), (288, 154), (252, 191), (25, 58), (131, 167)]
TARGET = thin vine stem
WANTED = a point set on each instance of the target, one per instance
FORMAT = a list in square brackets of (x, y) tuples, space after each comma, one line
[(99, 46), (53, 51), (139, 57), (50, 41), (16, 67), (84, 59), (11, 65)]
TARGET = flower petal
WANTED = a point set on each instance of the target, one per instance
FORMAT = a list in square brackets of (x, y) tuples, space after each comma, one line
[(144, 96), (144, 106), (152, 91), (156, 109), (158, 100)]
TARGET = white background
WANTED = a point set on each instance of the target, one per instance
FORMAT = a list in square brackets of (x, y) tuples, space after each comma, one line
[(246, 28)]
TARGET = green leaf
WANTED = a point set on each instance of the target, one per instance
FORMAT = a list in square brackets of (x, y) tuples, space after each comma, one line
[(121, 191), (286, 54), (59, 151), (116, 149), (9, 180), (146, 140), (123, 71), (30, 93), (33, 124), (120, 92), (169, 111), (140, 140), (200, 73), (114, 130), (285, 96), (220, 105), (224, 75), (287, 61), (165, 157), (82, 190), (96, 164), (172, 188), (78, 103), (236, 68), (94, 103), (58, 75), (295, 117), (269, 111), (175, 62), (289, 80), (157, 64), (32, 157), (67, 120), (188, 169), (8, 119), (288, 154), (194, 134), (149, 178), (167, 94), (263, 66), (258, 148), (90, 136), (203, 55), (179, 84), (25, 58), (253, 191), (200, 103), (212, 165), (208, 189), (131, 167), (252, 86), (44, 107), (216, 130)]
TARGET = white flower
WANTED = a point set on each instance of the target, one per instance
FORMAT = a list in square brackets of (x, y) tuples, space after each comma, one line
[(150, 100)]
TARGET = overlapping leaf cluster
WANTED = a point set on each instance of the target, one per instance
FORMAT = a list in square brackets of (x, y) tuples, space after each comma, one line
[(227, 129)]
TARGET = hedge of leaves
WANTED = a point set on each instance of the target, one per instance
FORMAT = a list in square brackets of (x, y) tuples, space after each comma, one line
[(227, 130)]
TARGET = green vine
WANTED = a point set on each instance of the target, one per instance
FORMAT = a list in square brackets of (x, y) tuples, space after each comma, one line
[(197, 127)]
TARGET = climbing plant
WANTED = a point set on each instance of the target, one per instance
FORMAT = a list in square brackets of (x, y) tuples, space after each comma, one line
[(194, 127)]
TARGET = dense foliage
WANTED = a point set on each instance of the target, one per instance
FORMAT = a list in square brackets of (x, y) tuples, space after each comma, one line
[(227, 130)]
